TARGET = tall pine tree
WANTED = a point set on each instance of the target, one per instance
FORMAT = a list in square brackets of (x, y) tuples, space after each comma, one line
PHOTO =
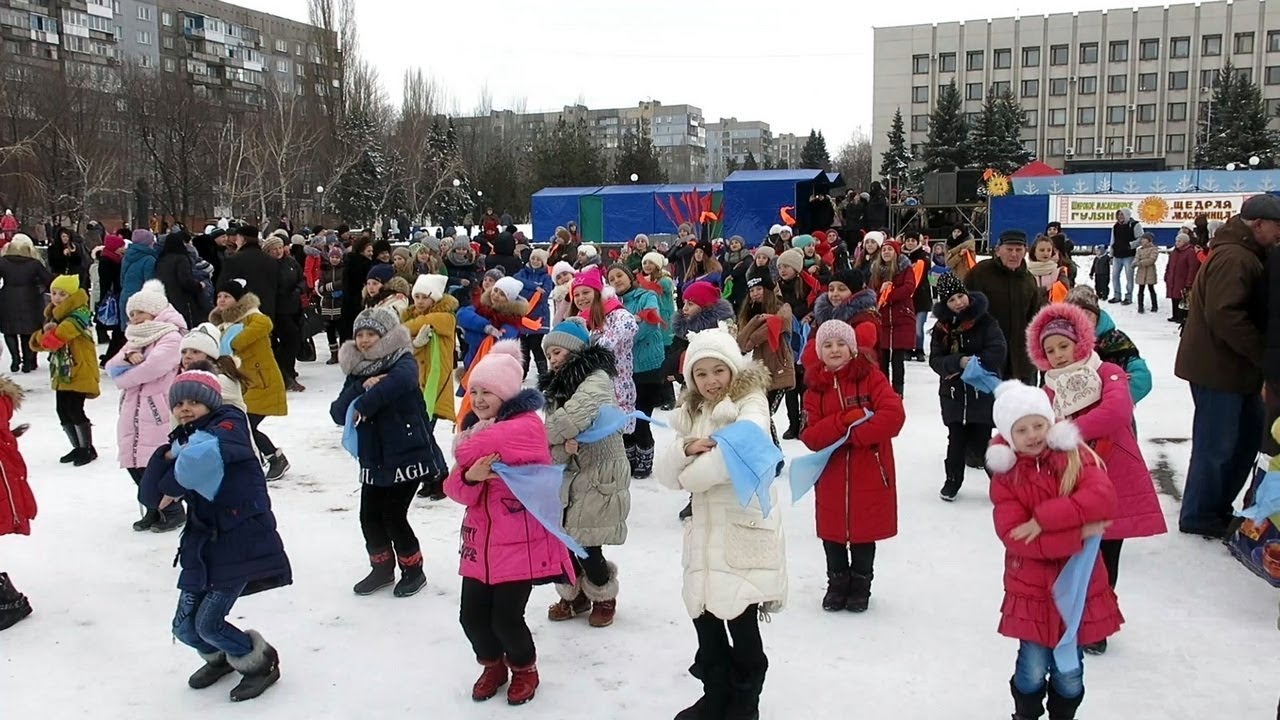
[(566, 157), (897, 159), (814, 153), (636, 156), (358, 195), (946, 148), (994, 140), (1233, 127), (749, 162)]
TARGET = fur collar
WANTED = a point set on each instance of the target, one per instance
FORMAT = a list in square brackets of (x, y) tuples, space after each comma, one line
[(11, 390), (381, 356), (755, 377), (862, 301), (518, 307), (234, 314), (63, 310), (527, 400), (708, 318), (559, 385), (978, 306), (447, 304)]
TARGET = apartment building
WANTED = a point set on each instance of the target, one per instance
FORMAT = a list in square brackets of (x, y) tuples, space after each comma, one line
[(787, 148), (1122, 88), (733, 139)]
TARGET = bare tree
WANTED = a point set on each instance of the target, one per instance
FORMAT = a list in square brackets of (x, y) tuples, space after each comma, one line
[(854, 160)]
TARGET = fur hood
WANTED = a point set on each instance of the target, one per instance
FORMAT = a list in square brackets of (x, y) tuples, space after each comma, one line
[(234, 314), (13, 391), (1080, 322), (518, 307), (386, 351), (708, 318), (527, 400), (862, 301), (446, 304), (559, 385), (978, 306), (754, 377)]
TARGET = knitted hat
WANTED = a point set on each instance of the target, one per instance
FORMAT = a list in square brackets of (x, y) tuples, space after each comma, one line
[(793, 259), (1085, 298), (494, 274), (66, 283), (500, 371), (376, 320), (1015, 401), (715, 343), (539, 254), (562, 267), (570, 334), (588, 250), (655, 259), (272, 242), (775, 230), (1063, 319), (381, 272), (1059, 326), (786, 230), (837, 330), (297, 240), (235, 287), (142, 237), (819, 236), (638, 238), (765, 281), (588, 278), (432, 285), (803, 241), (702, 293), (893, 243), (402, 252), (852, 279), (196, 385), (949, 286), (430, 242), (150, 299), (876, 236), (381, 246), (205, 338), (509, 286), (767, 251)]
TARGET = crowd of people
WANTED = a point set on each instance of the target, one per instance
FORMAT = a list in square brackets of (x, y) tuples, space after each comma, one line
[(202, 336)]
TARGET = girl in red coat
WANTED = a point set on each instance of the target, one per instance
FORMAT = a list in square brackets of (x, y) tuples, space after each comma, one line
[(17, 505), (1050, 494), (857, 500), (892, 277)]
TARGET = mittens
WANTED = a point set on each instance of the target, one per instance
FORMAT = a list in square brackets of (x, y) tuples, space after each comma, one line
[(423, 337)]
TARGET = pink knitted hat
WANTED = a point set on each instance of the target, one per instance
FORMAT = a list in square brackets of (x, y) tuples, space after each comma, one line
[(591, 278), (837, 329), (500, 371)]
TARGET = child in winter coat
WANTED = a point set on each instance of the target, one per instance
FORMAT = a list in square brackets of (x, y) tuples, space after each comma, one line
[(230, 547), (561, 304), (537, 290), (1113, 345), (143, 370), (1050, 494), (734, 558), (765, 325), (857, 497), (381, 399), (462, 266), (1095, 396), (648, 356), (497, 313), (330, 289), (655, 278), (703, 309), (849, 300), (1100, 270), (384, 289), (73, 363), (1145, 270), (1179, 274), (597, 478), (1047, 269), (964, 332), (201, 345), (505, 550), (432, 324), (614, 328), (17, 504), (894, 281)]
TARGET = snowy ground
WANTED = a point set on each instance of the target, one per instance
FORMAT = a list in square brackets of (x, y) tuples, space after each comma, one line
[(1199, 642)]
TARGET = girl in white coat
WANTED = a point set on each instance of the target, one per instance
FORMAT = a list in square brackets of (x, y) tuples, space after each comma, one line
[(734, 557)]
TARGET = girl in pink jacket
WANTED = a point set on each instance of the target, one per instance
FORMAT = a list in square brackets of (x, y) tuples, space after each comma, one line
[(143, 370), (505, 550), (1095, 395)]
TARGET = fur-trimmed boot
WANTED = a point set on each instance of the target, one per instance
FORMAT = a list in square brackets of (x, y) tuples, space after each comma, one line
[(1027, 706), (571, 604), (604, 598), (215, 668), (524, 683), (13, 605), (412, 577), (382, 574), (644, 463), (260, 668), (491, 679), (1063, 708)]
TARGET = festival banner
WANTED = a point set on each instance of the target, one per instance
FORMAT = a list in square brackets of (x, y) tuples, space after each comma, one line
[(1170, 210)]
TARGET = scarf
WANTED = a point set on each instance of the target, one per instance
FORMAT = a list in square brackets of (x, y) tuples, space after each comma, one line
[(61, 364), (1076, 386), (1114, 346), (389, 348), (147, 333), (1044, 271)]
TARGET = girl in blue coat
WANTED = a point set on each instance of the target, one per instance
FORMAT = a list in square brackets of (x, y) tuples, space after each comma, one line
[(381, 405), (230, 547), (649, 353), (537, 290)]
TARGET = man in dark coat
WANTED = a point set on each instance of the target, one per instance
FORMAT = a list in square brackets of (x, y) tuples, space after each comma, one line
[(249, 263), (1223, 356), (1013, 298), (286, 331), (504, 255)]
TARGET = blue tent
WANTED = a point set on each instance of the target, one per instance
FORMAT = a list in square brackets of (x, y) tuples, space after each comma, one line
[(753, 199), (628, 210), (553, 207)]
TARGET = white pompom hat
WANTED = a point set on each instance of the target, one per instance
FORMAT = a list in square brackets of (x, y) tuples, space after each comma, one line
[(1014, 401)]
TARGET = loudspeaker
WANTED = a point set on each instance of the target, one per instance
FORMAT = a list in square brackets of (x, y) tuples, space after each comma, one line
[(939, 189), (967, 183)]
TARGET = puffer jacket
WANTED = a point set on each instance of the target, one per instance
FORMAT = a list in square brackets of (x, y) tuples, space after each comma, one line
[(17, 503), (501, 541), (597, 480), (665, 291), (435, 349), (72, 343), (476, 318), (535, 280), (246, 333), (647, 348), (618, 335), (1114, 346), (1145, 265), (897, 310), (144, 423), (734, 556), (975, 334), (137, 267), (769, 342)]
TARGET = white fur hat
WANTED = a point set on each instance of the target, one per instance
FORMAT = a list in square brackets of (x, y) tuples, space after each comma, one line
[(1014, 401), (509, 286), (562, 267), (205, 337), (588, 250), (433, 285), (875, 235), (150, 299), (715, 343)]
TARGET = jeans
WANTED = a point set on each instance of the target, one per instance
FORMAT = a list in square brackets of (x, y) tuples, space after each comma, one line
[(859, 558), (201, 622), (921, 317), (1035, 662), (384, 518), (1226, 433), (260, 439), (1118, 266), (492, 617)]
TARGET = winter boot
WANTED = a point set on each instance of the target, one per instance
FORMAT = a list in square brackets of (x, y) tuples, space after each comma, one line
[(412, 578), (260, 668), (277, 465), (631, 458), (1062, 708), (950, 489), (1098, 648), (572, 603), (604, 598), (28, 355), (13, 604), (215, 668), (333, 355), (644, 463), (524, 683), (382, 574), (837, 596), (859, 592), (493, 677), (171, 518), (1027, 706), (148, 521), (74, 455), (84, 435), (745, 688), (716, 693), (15, 353)]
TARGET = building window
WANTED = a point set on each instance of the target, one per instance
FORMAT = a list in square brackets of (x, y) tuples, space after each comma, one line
[(1209, 78), (1000, 87), (973, 91), (144, 37), (1030, 118), (1180, 47), (1175, 143), (1084, 145), (1029, 146), (1177, 112), (1057, 86), (946, 62), (169, 65), (1149, 49), (144, 13), (1115, 114), (1273, 108), (919, 123), (1115, 145), (919, 93), (919, 63), (1059, 55), (1002, 58), (1030, 88), (1273, 41), (1178, 80), (1211, 45), (282, 46), (297, 50), (1031, 57), (1088, 53), (1147, 113), (1087, 115), (1088, 85), (973, 60), (1244, 43), (282, 65), (1147, 82), (972, 118), (166, 19), (1057, 117), (1118, 51), (144, 60), (299, 70), (1273, 75), (1146, 143), (1056, 147), (1117, 83), (1244, 74), (167, 42)]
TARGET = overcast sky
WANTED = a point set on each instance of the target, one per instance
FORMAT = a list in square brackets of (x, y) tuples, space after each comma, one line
[(794, 65)]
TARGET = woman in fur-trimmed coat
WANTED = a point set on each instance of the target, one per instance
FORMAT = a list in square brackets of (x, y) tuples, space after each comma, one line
[(597, 479)]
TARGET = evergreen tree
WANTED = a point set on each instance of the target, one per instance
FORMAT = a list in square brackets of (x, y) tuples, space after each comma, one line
[(781, 165), (637, 156), (567, 157), (731, 165), (1013, 118), (814, 153), (897, 159), (1233, 127), (359, 192), (449, 204), (749, 162), (946, 148), (994, 141)]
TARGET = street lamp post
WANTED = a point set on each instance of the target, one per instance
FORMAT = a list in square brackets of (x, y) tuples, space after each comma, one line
[(320, 204)]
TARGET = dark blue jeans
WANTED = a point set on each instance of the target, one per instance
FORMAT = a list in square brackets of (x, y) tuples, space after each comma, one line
[(201, 622), (1035, 662), (1225, 436)]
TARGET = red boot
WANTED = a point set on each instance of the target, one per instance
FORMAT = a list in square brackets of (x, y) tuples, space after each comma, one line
[(524, 683), (492, 677)]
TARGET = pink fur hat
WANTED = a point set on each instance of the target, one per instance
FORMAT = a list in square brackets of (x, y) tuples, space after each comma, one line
[(1067, 318)]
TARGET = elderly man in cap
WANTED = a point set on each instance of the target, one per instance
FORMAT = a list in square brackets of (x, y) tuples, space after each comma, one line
[(1014, 300), (1222, 356)]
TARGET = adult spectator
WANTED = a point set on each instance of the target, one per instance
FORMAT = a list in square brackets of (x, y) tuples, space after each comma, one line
[(286, 331), (259, 272), (139, 266), (354, 272), (877, 213), (1222, 356), (175, 270), (110, 254), (1124, 248), (23, 281), (67, 256), (564, 248), (212, 246), (504, 255), (1014, 299)]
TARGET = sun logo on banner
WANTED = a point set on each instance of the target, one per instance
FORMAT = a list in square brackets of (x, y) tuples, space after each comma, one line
[(998, 185), (1153, 209)]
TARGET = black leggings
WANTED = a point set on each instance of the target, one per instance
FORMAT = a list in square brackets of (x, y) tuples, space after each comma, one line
[(964, 441), (287, 341), (531, 346), (775, 401), (492, 616), (1110, 551), (746, 655), (384, 518), (70, 406), (648, 397), (20, 349), (331, 331), (794, 396), (593, 566), (893, 365), (1152, 290), (859, 558), (265, 446)]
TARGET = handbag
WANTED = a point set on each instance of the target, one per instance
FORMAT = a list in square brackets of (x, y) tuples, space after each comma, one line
[(109, 311), (312, 322), (307, 350)]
